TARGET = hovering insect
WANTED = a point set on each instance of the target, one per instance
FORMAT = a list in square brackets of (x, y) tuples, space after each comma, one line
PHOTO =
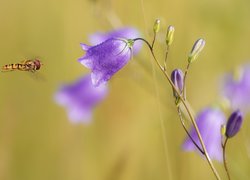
[(27, 65)]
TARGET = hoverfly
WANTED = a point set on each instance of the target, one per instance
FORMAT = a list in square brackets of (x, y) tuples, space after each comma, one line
[(27, 65)]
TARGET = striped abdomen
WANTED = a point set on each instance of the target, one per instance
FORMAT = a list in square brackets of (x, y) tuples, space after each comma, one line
[(12, 67)]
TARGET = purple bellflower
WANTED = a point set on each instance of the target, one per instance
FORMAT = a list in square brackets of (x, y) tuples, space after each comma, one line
[(236, 89), (107, 58), (209, 122), (234, 124), (80, 98), (125, 33)]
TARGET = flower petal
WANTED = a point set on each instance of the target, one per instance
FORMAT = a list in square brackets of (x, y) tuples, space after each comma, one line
[(126, 33), (85, 47), (236, 87), (79, 115), (209, 122), (80, 98), (106, 59)]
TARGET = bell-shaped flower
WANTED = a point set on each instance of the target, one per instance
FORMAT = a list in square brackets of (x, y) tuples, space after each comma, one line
[(209, 122), (79, 98), (124, 33), (107, 58), (236, 88)]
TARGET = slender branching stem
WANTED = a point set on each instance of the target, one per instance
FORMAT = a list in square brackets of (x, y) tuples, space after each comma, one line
[(185, 105), (153, 42), (185, 128), (184, 81), (166, 57), (224, 158)]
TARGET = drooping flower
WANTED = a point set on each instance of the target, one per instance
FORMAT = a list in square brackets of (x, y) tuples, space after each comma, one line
[(124, 33), (234, 124), (107, 58), (79, 98), (236, 88), (209, 122)]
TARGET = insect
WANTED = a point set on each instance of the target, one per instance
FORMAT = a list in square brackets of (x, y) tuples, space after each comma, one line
[(27, 65)]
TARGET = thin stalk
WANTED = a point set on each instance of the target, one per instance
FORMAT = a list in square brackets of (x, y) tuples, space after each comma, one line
[(224, 158), (185, 128), (166, 57), (184, 81), (186, 107), (153, 42)]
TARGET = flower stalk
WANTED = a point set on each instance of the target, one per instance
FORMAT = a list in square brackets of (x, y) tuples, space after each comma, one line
[(184, 80), (186, 130), (169, 40), (232, 128), (185, 105), (224, 158)]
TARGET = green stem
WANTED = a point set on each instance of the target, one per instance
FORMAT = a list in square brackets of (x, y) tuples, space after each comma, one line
[(184, 81), (186, 107), (185, 128), (224, 158), (153, 42), (166, 57)]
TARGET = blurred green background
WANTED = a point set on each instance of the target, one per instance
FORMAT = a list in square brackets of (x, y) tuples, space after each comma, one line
[(127, 139)]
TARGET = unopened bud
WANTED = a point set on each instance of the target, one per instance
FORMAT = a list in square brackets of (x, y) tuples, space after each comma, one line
[(170, 35), (157, 25), (177, 79), (234, 124), (197, 48)]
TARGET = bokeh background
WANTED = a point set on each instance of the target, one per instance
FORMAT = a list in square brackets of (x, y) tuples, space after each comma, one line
[(135, 133)]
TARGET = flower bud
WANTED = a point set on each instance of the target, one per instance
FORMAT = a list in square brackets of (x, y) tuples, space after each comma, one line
[(197, 48), (170, 35), (177, 79), (157, 26), (233, 124)]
